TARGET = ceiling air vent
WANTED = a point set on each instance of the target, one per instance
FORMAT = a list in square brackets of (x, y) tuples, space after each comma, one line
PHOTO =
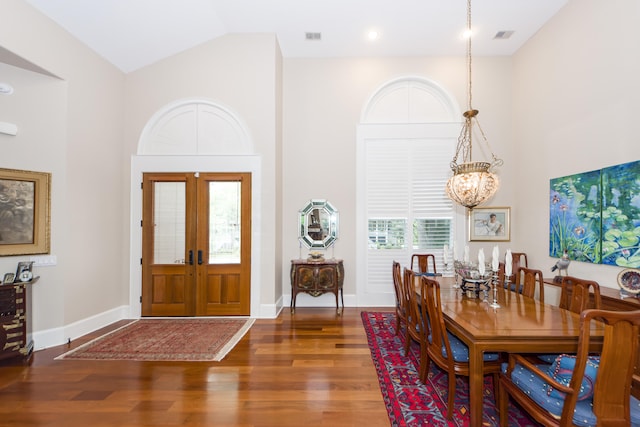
[(312, 36), (503, 35)]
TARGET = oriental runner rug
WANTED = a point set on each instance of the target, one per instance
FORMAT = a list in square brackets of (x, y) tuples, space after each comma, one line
[(167, 339), (409, 401)]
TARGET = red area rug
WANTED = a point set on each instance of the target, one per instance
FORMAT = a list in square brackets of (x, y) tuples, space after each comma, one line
[(409, 401), (194, 339)]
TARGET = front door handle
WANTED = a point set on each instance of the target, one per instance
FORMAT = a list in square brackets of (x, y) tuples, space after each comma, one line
[(200, 257), (190, 257)]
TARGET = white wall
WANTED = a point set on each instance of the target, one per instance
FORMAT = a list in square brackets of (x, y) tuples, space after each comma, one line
[(575, 99), (240, 72), (323, 101), (73, 128), (563, 104)]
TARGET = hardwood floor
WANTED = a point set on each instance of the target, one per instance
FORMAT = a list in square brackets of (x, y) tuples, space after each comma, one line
[(312, 368)]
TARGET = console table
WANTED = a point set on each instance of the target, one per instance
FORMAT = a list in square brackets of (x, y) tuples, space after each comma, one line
[(15, 320), (316, 278)]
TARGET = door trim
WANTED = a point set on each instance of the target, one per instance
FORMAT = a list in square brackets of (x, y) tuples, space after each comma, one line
[(242, 163)]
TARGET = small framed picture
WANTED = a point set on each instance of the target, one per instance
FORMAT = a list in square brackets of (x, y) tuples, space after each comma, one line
[(24, 273), (490, 224), (8, 278)]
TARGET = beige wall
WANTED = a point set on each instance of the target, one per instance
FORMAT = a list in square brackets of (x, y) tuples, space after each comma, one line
[(575, 99), (241, 72), (563, 104), (323, 101), (76, 133)]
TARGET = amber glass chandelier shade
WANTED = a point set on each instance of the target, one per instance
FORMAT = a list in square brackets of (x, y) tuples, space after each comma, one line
[(472, 184)]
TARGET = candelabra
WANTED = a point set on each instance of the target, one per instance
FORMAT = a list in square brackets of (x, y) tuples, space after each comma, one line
[(494, 281)]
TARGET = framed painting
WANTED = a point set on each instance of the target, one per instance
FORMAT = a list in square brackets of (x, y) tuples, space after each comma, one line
[(575, 208), (25, 199), (621, 215), (489, 224)]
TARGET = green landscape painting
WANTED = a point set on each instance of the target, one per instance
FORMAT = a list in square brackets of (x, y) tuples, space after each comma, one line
[(595, 216), (621, 215), (574, 216)]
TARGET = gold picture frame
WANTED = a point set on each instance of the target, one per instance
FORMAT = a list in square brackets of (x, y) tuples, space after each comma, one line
[(25, 206), (490, 224)]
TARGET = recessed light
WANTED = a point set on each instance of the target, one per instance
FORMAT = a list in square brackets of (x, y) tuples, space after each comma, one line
[(373, 35), (6, 88)]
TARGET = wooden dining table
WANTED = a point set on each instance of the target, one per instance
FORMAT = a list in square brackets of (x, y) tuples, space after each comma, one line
[(520, 325)]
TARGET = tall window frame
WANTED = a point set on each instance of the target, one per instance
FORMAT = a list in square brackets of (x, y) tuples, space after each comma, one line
[(405, 143)]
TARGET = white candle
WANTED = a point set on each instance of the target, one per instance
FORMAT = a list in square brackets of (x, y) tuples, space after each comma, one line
[(481, 266), (495, 261), (508, 260), (445, 251), (466, 254)]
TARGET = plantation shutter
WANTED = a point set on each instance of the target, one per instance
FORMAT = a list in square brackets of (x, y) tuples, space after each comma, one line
[(406, 206)]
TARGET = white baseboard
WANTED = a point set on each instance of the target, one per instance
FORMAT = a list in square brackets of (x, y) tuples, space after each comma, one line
[(57, 336)]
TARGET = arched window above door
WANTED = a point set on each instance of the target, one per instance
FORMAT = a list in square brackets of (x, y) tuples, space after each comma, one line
[(411, 100), (195, 127)]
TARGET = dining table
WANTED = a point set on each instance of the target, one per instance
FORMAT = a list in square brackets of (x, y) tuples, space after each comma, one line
[(519, 325)]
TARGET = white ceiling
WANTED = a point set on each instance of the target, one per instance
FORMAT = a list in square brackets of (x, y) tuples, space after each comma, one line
[(134, 33)]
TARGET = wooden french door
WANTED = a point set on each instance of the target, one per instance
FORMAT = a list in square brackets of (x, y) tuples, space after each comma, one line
[(196, 244)]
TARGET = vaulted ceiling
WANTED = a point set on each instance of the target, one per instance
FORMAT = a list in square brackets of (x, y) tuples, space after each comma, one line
[(134, 33)]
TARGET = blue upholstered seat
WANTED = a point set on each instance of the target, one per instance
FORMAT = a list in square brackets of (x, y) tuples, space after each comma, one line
[(460, 351), (539, 391)]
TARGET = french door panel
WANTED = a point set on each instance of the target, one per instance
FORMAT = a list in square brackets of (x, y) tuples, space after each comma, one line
[(168, 278), (196, 244), (224, 207)]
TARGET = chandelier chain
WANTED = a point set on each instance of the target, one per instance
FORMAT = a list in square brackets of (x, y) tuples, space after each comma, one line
[(469, 55), (472, 182)]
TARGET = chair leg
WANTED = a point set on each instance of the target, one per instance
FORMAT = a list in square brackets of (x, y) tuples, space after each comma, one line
[(424, 368), (503, 404), (407, 342), (452, 395)]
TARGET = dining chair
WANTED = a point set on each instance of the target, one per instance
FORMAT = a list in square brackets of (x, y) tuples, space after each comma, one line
[(579, 294), (401, 304), (442, 347), (414, 322), (519, 259), (528, 280), (582, 390), (422, 262), (576, 295)]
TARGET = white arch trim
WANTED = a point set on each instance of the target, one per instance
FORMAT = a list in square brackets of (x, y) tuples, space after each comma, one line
[(195, 126), (411, 99)]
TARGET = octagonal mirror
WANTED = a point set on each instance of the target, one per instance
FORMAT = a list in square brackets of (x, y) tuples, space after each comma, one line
[(318, 224)]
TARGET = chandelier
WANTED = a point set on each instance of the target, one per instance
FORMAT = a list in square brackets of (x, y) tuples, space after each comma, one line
[(472, 182)]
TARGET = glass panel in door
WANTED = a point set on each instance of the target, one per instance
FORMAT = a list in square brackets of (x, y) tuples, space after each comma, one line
[(169, 222), (224, 222)]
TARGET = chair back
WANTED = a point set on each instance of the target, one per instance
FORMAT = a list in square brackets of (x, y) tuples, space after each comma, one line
[(612, 389), (397, 283), (424, 263), (519, 259), (527, 280), (413, 310), (576, 294), (433, 321)]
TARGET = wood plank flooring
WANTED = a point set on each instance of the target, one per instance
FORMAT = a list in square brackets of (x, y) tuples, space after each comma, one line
[(312, 368)]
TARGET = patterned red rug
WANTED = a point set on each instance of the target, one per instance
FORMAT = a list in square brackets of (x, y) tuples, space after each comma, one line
[(409, 401), (194, 339)]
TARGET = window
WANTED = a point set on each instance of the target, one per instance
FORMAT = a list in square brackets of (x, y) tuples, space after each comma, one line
[(430, 234), (387, 233)]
